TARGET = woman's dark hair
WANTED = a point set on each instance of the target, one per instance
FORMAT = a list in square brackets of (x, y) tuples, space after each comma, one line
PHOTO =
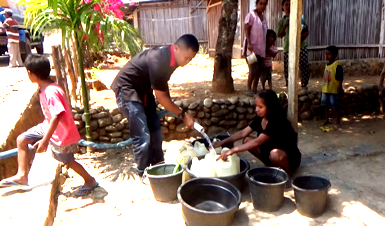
[(283, 3), (38, 65), (271, 32), (274, 109)]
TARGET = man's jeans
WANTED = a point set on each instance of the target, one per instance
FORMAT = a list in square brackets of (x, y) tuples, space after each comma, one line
[(145, 132)]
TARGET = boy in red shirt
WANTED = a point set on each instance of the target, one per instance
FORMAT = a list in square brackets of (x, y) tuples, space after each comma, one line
[(58, 130)]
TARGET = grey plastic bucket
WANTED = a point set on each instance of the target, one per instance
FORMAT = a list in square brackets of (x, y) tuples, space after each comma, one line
[(267, 187), (164, 183), (209, 202), (311, 193)]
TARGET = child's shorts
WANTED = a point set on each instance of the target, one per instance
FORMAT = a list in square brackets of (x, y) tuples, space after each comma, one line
[(330, 100), (64, 154)]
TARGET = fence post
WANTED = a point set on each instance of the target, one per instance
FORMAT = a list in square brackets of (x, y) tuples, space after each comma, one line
[(382, 31), (294, 54), (61, 77)]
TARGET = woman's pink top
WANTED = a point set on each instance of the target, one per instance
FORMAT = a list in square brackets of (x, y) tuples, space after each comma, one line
[(258, 33)]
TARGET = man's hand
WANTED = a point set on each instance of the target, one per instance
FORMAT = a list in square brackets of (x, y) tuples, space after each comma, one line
[(41, 146), (224, 155), (189, 121)]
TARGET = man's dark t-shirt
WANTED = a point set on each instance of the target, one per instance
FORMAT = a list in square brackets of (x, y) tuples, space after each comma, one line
[(148, 70)]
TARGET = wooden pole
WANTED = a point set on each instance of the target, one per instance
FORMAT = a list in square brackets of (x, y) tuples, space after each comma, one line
[(294, 55), (57, 58), (382, 31), (71, 73)]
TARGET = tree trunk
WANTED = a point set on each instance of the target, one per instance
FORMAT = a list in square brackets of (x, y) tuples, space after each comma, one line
[(381, 88), (86, 115), (75, 57), (222, 80), (61, 76), (70, 69)]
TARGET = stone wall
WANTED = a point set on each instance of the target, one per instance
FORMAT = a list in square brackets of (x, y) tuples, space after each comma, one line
[(30, 115), (357, 67), (220, 116)]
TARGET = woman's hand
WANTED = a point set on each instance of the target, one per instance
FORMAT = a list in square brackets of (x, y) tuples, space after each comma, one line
[(217, 144), (250, 47), (224, 155)]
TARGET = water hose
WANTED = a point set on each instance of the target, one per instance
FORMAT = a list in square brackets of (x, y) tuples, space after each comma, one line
[(93, 145)]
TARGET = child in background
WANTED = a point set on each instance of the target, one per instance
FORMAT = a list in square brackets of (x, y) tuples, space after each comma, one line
[(333, 77), (57, 132), (271, 52)]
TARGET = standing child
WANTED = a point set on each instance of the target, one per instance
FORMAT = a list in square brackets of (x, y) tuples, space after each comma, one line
[(58, 130), (271, 52), (333, 77)]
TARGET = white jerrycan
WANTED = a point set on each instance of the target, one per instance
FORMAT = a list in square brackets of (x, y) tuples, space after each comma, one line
[(208, 165), (218, 149), (195, 166), (228, 168), (200, 149)]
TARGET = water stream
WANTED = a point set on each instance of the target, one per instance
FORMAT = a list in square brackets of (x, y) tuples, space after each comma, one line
[(200, 129)]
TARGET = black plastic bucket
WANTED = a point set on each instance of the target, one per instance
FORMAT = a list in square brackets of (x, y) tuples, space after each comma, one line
[(208, 202), (219, 137), (237, 180), (267, 186), (311, 193), (164, 183)]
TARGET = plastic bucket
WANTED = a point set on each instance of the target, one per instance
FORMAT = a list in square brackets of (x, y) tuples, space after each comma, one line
[(164, 183), (208, 202), (237, 180), (311, 193), (267, 187)]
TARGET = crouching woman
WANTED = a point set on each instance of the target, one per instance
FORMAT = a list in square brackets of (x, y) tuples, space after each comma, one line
[(276, 141)]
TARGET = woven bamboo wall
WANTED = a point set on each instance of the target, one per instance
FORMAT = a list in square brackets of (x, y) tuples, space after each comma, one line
[(164, 23)]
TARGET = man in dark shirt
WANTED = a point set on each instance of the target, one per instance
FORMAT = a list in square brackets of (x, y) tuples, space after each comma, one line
[(145, 74)]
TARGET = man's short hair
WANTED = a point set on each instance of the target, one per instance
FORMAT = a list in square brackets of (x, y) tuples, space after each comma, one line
[(38, 65), (188, 41)]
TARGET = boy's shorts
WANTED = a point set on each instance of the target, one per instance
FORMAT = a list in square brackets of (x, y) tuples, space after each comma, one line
[(64, 154), (330, 100)]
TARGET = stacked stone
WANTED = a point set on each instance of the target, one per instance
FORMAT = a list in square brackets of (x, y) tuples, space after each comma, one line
[(107, 126), (215, 115), (222, 115)]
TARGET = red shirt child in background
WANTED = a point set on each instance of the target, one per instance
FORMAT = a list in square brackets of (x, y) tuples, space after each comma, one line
[(58, 130)]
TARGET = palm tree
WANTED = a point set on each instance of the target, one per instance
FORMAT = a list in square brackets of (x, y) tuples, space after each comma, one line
[(87, 24)]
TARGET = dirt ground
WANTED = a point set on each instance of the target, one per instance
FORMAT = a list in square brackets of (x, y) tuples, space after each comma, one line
[(351, 158), (194, 81), (355, 198)]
